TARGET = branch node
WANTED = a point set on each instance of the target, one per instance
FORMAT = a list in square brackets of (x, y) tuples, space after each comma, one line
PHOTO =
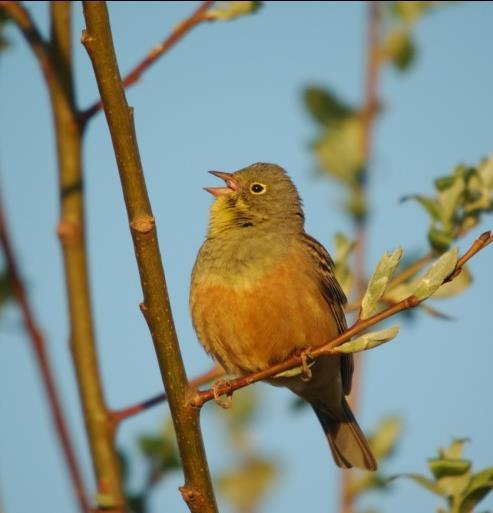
[(68, 231), (86, 39), (193, 498), (142, 224)]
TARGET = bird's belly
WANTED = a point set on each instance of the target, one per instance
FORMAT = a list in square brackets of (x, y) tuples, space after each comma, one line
[(251, 326)]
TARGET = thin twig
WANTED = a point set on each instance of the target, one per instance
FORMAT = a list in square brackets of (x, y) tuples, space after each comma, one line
[(183, 28), (21, 17), (215, 373), (197, 491), (370, 111), (39, 346), (331, 348)]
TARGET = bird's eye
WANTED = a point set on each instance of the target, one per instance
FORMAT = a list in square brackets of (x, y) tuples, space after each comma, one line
[(257, 188)]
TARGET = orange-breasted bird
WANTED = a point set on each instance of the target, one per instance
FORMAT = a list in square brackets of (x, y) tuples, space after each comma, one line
[(262, 289)]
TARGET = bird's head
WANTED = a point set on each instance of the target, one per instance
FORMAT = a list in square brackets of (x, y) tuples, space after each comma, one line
[(257, 195)]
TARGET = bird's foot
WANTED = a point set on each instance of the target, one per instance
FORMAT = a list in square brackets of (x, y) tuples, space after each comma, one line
[(223, 398), (306, 374)]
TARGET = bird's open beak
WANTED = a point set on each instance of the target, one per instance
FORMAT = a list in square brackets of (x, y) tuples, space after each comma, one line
[(231, 184)]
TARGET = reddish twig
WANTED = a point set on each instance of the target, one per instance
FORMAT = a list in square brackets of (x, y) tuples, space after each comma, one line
[(331, 348), (197, 17), (215, 373), (370, 111), (39, 346)]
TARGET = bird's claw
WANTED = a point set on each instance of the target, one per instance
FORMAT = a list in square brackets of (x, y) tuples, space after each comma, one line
[(224, 399), (306, 374)]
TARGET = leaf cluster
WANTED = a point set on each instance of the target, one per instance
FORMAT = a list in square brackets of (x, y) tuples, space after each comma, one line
[(461, 198), (453, 479)]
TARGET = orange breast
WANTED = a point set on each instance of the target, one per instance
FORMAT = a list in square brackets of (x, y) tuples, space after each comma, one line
[(250, 326)]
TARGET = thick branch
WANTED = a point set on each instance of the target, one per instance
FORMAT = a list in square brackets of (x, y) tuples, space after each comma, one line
[(331, 348), (181, 30), (47, 377), (97, 39)]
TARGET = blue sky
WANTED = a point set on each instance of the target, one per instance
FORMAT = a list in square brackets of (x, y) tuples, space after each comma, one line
[(226, 96)]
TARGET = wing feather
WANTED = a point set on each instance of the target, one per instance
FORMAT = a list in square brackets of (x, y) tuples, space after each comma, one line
[(335, 298)]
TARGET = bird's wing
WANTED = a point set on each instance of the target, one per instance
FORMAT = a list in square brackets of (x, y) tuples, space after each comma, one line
[(335, 298)]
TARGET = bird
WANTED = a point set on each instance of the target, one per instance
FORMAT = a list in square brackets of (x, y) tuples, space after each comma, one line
[(262, 289)]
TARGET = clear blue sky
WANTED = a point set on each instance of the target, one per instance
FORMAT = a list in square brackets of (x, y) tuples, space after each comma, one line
[(227, 96)]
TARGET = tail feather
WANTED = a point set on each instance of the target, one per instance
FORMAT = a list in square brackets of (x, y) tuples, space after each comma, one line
[(346, 440)]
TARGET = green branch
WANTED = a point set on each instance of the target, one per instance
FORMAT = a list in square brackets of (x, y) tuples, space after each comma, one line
[(71, 231), (55, 60), (197, 492)]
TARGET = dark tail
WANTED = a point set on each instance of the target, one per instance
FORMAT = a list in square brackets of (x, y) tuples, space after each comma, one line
[(347, 442)]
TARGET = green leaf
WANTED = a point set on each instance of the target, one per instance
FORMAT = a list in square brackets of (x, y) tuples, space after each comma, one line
[(451, 197), (444, 182), (439, 240), (295, 371), (445, 467), (245, 487), (325, 106), (436, 274), (384, 439), (379, 281), (480, 485), (340, 150), (431, 205), (423, 481), (455, 449), (231, 10), (479, 192), (409, 11), (369, 340), (399, 49), (454, 287), (356, 204), (342, 249), (161, 451)]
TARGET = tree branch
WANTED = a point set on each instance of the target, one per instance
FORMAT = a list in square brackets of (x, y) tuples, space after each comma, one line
[(39, 346), (71, 231), (21, 17), (215, 373), (181, 30), (197, 492), (332, 347), (55, 62)]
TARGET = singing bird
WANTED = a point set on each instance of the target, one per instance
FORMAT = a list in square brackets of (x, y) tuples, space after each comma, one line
[(262, 289)]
